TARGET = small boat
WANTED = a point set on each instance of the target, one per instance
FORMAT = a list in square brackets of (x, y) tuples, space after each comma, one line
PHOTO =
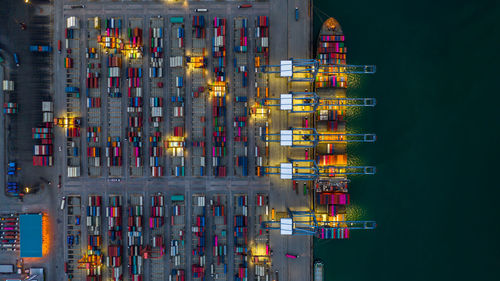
[(318, 270)]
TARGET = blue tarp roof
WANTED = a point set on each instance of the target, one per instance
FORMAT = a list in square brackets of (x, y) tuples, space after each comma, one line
[(31, 235)]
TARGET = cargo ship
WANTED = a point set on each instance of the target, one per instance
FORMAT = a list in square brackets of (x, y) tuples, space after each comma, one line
[(318, 270), (331, 51), (331, 194)]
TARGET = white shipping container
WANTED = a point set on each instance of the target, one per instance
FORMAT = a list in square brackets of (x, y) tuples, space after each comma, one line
[(72, 22), (48, 117), (8, 85), (47, 106), (73, 172), (202, 161), (156, 112)]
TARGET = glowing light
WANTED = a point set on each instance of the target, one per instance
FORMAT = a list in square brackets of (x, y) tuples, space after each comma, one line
[(46, 231)]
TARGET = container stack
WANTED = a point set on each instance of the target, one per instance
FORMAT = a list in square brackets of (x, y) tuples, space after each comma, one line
[(114, 215), (8, 86), (199, 26), (331, 81), (155, 140), (111, 40), (134, 109), (219, 135), (177, 239), (135, 37), (331, 53), (177, 275), (262, 35), (219, 49), (331, 50), (114, 64), (92, 79), (242, 45), (262, 260), (334, 233), (156, 63), (135, 237), (199, 238), (10, 108), (180, 37), (43, 149), (157, 212), (240, 237), (219, 238), (113, 152), (156, 117), (240, 105), (94, 241), (335, 202)]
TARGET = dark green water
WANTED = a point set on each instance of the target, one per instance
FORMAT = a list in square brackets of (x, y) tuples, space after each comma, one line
[(436, 192)]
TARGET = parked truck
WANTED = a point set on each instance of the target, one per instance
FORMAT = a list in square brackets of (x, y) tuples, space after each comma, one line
[(40, 49), (16, 59)]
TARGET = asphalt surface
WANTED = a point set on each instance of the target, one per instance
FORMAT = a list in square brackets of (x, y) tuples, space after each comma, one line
[(288, 38)]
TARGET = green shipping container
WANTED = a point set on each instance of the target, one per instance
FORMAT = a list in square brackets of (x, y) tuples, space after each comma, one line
[(177, 20), (177, 198)]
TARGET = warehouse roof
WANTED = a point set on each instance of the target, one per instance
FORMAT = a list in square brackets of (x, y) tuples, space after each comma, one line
[(31, 235)]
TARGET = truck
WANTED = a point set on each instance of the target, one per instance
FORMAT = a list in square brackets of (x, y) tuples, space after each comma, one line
[(40, 49), (63, 202), (6, 268), (16, 59), (296, 13)]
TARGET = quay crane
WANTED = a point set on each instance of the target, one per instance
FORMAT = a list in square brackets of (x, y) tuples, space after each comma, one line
[(308, 102), (309, 137), (307, 69), (308, 170), (306, 223)]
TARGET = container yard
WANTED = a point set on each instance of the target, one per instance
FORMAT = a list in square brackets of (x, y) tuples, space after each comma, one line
[(240, 94), (218, 92), (261, 248), (135, 237), (157, 246), (94, 138), (218, 222), (177, 98), (157, 100), (240, 236), (198, 229), (170, 126), (93, 257), (177, 238), (114, 212), (199, 96)]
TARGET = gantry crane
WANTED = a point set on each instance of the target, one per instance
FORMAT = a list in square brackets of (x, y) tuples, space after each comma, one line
[(308, 102), (309, 137), (308, 69), (308, 170), (306, 223)]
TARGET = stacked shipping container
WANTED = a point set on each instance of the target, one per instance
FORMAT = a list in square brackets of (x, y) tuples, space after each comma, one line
[(43, 149), (240, 237), (94, 238), (199, 238), (135, 237), (114, 215)]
